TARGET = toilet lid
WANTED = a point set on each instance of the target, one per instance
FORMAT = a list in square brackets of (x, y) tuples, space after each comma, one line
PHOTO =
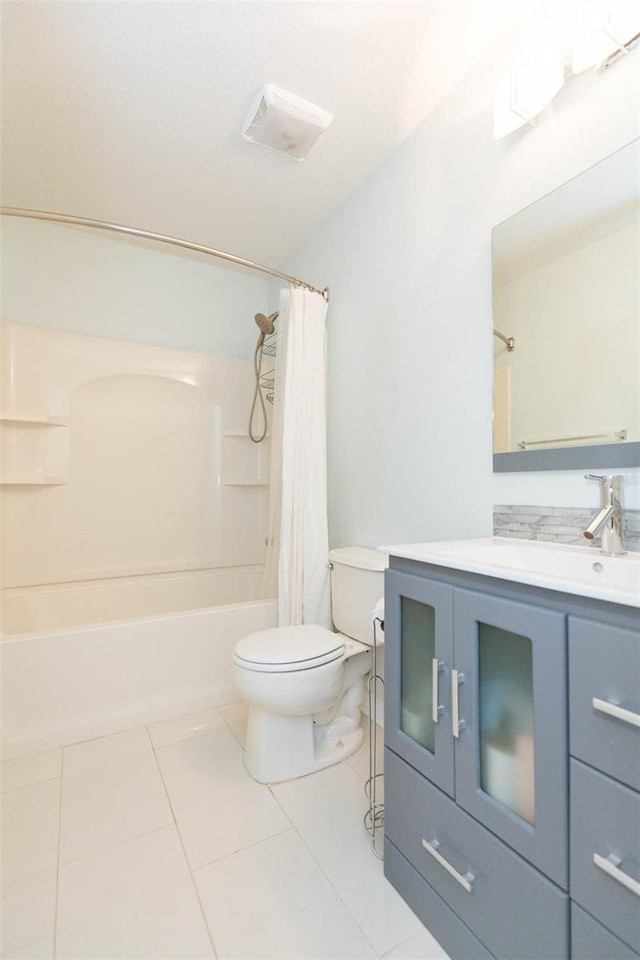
[(289, 648)]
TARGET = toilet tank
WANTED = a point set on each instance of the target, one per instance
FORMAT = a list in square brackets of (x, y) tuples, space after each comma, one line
[(357, 583)]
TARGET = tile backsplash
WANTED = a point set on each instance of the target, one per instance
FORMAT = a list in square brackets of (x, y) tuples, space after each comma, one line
[(556, 524)]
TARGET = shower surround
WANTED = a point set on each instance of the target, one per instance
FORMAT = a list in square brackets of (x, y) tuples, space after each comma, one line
[(133, 505)]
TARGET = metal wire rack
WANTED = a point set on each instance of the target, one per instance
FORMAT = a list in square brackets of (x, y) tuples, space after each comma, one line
[(374, 786)]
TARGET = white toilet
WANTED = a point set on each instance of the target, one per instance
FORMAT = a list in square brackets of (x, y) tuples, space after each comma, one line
[(304, 685)]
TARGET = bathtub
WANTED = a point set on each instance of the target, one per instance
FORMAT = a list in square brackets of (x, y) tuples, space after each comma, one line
[(82, 660)]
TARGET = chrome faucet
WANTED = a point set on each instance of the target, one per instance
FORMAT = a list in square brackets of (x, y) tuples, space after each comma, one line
[(608, 519)]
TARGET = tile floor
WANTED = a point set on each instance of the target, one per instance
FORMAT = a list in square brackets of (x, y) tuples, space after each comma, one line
[(156, 843)]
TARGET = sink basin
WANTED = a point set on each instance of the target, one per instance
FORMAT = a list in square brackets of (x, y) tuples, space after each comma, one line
[(579, 570)]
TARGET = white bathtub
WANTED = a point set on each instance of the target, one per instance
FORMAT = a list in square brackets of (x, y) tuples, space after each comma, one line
[(82, 660)]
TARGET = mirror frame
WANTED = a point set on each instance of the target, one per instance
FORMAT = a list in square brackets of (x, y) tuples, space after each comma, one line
[(599, 455)]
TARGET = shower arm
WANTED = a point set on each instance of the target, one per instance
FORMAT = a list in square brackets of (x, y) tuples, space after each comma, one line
[(510, 341), (161, 238)]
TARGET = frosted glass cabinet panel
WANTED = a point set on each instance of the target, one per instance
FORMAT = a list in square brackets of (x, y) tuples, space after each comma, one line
[(505, 721), (418, 631)]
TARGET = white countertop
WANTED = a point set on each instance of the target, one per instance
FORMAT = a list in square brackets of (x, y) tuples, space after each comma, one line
[(583, 571)]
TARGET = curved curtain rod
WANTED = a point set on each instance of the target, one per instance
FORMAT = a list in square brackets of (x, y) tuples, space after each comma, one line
[(510, 341), (162, 238)]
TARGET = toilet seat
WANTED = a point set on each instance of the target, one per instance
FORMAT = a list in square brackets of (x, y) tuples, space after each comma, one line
[(288, 649)]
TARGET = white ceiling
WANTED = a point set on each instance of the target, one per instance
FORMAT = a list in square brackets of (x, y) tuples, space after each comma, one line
[(132, 112)]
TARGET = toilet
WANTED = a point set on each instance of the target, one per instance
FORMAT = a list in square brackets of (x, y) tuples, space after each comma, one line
[(305, 684)]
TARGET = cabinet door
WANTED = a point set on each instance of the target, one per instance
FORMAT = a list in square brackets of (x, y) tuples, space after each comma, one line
[(418, 644), (511, 742)]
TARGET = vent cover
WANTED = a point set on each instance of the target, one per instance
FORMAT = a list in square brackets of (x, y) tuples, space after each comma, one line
[(284, 122)]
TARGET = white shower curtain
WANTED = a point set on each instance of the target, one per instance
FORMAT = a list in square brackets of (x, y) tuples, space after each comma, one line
[(298, 553)]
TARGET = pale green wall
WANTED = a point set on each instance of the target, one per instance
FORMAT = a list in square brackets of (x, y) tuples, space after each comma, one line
[(408, 259), (91, 282)]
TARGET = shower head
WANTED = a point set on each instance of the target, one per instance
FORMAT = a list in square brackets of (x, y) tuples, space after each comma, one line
[(266, 325)]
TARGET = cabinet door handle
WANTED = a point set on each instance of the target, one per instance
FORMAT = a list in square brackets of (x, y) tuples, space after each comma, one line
[(611, 866), (615, 710), (436, 708), (456, 723), (464, 879)]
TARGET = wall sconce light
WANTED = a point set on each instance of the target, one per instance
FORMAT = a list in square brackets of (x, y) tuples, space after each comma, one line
[(607, 32), (526, 89), (602, 39)]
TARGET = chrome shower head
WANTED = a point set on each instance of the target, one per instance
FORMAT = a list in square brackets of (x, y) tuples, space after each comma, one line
[(266, 325)]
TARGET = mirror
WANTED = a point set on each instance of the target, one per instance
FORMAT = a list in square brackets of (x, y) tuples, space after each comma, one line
[(566, 317)]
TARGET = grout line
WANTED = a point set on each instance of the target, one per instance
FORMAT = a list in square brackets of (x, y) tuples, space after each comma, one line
[(229, 727), (182, 846), (197, 736), (57, 893), (249, 846), (120, 843), (319, 865), (36, 783)]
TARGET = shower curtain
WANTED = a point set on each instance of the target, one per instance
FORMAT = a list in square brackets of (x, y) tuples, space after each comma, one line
[(298, 545)]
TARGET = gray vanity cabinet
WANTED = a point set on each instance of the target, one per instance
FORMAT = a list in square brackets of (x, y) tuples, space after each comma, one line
[(475, 688), (477, 762)]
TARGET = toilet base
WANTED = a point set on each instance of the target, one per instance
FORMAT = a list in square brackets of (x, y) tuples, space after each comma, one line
[(283, 747)]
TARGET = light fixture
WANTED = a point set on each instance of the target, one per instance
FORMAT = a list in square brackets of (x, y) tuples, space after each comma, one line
[(607, 31), (527, 88)]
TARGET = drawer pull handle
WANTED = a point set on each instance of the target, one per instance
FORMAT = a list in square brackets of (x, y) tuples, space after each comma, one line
[(611, 866), (615, 710), (465, 880), (436, 708), (456, 723)]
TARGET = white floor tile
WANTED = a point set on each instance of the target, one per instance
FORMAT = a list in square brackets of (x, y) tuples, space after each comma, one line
[(36, 768), (272, 902), (327, 809), (235, 715), (112, 791), (30, 824), (135, 900), (41, 950), (360, 759), (219, 808), (186, 727), (422, 946)]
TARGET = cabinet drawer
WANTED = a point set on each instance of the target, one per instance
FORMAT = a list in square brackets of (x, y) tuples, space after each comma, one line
[(605, 821), (439, 919), (604, 665), (591, 941), (514, 910)]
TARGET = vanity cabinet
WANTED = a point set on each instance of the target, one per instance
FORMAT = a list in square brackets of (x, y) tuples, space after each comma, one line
[(477, 765), (479, 707)]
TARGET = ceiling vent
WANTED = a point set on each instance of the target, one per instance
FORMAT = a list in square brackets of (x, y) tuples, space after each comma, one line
[(282, 121)]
